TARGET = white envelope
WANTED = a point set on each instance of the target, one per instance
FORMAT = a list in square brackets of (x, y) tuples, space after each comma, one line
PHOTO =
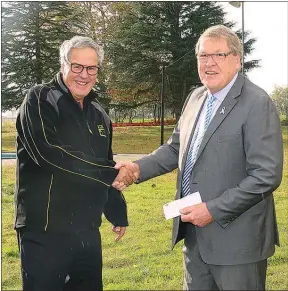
[(171, 209)]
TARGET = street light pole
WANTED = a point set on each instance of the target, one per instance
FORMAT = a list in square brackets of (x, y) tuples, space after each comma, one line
[(162, 94), (239, 4), (162, 106), (242, 36)]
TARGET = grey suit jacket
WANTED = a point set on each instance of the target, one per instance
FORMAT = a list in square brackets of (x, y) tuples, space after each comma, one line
[(238, 166)]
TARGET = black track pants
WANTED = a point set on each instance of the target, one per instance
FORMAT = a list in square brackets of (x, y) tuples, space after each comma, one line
[(49, 259)]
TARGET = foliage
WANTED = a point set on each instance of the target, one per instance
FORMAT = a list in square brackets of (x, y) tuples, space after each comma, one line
[(138, 37), (154, 34), (94, 21), (31, 35), (280, 97), (100, 19)]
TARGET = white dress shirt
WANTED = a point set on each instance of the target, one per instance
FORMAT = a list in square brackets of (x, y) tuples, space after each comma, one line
[(220, 96)]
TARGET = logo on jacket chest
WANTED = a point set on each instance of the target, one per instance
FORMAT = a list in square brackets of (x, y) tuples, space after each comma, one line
[(101, 130)]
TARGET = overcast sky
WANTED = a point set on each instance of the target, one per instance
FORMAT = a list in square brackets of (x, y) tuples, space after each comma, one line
[(267, 22)]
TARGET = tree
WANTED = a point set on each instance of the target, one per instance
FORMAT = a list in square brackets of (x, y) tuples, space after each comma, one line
[(31, 35), (97, 20), (280, 97), (153, 34)]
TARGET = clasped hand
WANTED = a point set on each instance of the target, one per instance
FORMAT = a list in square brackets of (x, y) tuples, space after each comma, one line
[(128, 173)]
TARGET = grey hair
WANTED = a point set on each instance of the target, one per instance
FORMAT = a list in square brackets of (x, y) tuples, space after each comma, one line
[(80, 42), (221, 31)]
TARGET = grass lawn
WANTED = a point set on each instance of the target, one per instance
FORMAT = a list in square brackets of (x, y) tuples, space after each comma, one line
[(126, 140), (143, 259), (8, 139), (138, 140)]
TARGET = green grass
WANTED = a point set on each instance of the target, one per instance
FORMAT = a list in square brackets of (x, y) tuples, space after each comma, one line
[(8, 131), (143, 259), (126, 140), (138, 140)]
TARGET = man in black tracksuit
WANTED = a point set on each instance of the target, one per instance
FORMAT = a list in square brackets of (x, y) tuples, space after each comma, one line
[(64, 172)]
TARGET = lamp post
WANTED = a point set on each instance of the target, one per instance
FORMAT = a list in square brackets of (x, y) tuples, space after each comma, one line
[(239, 4), (162, 95), (162, 107)]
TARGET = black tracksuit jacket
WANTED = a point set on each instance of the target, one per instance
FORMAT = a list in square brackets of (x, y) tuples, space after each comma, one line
[(64, 163)]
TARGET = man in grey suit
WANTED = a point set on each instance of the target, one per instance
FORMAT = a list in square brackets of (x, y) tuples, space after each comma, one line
[(228, 146)]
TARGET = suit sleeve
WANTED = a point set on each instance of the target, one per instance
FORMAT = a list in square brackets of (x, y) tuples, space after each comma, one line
[(115, 209), (36, 129), (264, 163)]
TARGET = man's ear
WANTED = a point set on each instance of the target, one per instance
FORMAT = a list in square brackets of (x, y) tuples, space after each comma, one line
[(64, 70), (238, 62)]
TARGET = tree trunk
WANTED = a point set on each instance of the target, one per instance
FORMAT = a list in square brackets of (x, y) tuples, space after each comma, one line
[(154, 112), (116, 116), (143, 114), (177, 114), (130, 116)]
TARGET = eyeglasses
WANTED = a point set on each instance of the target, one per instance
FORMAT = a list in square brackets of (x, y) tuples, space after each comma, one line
[(218, 58), (78, 68)]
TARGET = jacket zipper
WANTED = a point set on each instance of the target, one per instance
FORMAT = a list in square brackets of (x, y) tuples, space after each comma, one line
[(89, 129)]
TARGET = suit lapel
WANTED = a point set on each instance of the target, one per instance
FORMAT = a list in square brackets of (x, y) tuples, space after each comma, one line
[(222, 112), (191, 125)]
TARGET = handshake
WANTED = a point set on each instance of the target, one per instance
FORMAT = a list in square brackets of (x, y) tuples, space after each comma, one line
[(129, 173)]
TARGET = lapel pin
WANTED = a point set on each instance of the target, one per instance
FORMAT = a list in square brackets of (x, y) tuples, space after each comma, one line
[(222, 110)]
